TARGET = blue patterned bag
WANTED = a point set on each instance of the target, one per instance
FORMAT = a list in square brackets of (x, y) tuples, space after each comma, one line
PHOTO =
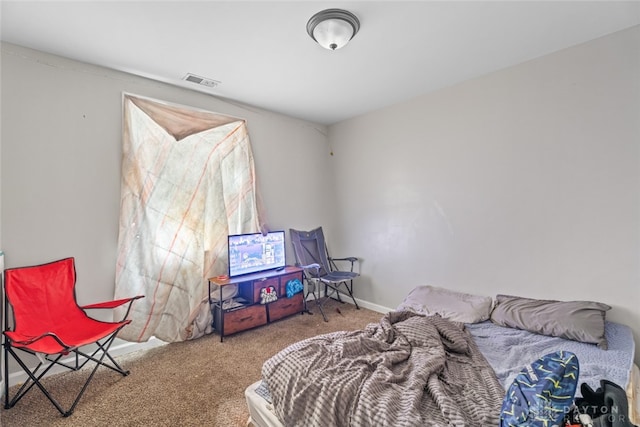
[(293, 287), (542, 393)]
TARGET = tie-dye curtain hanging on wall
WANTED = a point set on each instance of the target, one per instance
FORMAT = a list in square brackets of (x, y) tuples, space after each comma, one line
[(187, 182)]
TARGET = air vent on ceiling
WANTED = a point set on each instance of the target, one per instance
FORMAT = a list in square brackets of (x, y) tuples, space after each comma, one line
[(201, 80)]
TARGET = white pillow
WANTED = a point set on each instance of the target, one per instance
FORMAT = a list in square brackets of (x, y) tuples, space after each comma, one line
[(456, 306)]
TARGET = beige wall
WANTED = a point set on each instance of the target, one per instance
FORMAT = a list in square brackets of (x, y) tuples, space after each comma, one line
[(525, 181), (61, 153)]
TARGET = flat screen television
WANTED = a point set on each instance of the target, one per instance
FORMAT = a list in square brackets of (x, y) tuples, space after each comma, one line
[(256, 252)]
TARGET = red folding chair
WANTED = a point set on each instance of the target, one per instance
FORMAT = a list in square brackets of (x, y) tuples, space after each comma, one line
[(49, 323)]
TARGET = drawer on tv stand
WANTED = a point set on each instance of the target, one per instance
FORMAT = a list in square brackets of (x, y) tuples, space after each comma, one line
[(240, 319), (284, 307)]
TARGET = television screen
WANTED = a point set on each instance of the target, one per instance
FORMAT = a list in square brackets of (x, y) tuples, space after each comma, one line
[(252, 253)]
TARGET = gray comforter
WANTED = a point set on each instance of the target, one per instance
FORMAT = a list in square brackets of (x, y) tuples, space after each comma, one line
[(406, 370)]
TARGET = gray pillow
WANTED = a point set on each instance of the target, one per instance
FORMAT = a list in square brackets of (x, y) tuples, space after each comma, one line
[(574, 320), (450, 304)]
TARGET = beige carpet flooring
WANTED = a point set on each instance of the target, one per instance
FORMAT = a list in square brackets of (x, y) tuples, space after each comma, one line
[(194, 383)]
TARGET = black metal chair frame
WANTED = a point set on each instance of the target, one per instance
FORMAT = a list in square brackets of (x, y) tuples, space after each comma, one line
[(34, 378)]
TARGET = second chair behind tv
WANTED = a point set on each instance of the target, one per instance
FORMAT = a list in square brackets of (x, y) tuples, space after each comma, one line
[(320, 269)]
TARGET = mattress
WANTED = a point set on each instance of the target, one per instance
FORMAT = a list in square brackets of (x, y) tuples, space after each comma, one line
[(507, 350), (260, 409)]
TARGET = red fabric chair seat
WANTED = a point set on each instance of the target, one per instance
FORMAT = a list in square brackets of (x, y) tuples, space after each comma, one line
[(69, 334)]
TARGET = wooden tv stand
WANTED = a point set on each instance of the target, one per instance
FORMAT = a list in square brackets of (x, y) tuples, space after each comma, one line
[(229, 320)]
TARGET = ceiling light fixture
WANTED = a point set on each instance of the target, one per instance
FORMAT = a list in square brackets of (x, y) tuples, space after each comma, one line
[(333, 28)]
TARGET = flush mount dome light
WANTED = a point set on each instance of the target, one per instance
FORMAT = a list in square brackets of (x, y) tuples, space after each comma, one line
[(333, 28)]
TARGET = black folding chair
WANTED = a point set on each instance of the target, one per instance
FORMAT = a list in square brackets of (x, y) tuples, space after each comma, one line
[(313, 257)]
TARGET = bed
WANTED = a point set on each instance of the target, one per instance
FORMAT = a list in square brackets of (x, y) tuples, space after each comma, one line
[(428, 343)]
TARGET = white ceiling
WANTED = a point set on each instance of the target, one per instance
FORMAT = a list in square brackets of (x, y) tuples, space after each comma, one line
[(262, 55)]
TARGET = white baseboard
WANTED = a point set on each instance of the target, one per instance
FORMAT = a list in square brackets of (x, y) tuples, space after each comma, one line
[(373, 307), (118, 349)]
